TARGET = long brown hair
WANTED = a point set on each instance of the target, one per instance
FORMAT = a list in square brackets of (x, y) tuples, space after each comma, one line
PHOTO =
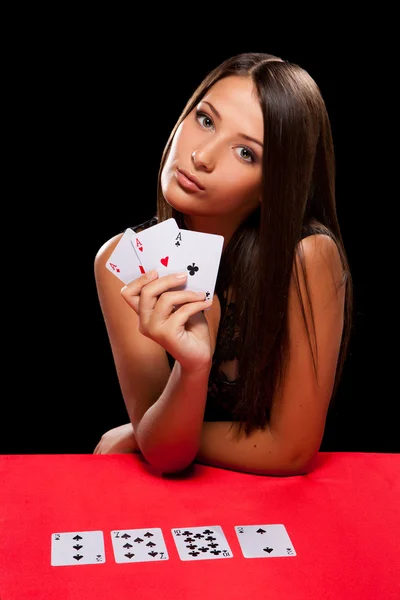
[(298, 197)]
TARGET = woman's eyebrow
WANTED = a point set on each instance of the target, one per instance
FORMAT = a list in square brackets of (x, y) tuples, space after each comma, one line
[(243, 135)]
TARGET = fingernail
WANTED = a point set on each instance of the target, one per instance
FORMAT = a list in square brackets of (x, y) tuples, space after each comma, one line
[(200, 295), (181, 275), (124, 288), (152, 274)]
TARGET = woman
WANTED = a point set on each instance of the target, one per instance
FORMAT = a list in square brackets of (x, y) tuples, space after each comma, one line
[(246, 384)]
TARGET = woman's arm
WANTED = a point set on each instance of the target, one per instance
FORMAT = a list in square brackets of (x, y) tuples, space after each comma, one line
[(141, 364), (169, 433), (118, 440), (222, 446), (290, 442), (166, 408)]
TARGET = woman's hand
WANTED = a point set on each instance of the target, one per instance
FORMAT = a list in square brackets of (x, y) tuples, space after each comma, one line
[(120, 440), (173, 319)]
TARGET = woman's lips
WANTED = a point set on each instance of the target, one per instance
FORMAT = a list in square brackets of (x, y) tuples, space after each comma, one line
[(186, 183)]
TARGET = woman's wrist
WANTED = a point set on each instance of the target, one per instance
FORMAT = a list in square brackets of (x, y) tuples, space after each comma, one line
[(199, 373)]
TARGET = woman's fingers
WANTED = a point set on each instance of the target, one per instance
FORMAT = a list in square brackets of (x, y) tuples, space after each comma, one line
[(171, 316), (150, 293), (155, 301), (147, 291), (184, 312), (131, 292), (167, 303)]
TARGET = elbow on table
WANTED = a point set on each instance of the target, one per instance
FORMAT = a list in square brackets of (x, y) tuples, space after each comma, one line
[(299, 465), (285, 461), (303, 465), (168, 465)]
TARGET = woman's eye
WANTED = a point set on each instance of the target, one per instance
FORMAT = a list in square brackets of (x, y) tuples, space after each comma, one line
[(245, 154), (207, 123), (204, 120)]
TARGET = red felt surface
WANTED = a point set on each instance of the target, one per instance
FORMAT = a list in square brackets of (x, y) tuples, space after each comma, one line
[(343, 520)]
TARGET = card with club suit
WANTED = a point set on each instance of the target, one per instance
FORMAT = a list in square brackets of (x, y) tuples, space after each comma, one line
[(201, 543), (196, 253)]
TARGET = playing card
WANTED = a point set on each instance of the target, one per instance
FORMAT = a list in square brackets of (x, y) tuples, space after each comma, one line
[(201, 543), (139, 545), (77, 548), (123, 262), (196, 253), (150, 244), (264, 541)]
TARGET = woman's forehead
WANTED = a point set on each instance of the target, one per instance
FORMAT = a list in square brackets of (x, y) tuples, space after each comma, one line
[(235, 99)]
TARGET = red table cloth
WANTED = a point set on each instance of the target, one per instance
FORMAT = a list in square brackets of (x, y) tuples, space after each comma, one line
[(343, 519)]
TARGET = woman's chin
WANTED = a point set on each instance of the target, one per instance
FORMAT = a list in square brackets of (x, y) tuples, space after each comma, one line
[(176, 203)]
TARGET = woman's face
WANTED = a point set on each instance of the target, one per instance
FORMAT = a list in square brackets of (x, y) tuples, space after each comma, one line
[(213, 147)]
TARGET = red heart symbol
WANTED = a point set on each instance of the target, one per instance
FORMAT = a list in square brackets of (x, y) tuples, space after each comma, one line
[(164, 261), (141, 248)]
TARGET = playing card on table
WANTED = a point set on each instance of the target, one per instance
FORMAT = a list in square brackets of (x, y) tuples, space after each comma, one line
[(77, 548), (201, 543), (139, 545), (196, 253), (264, 541), (123, 262)]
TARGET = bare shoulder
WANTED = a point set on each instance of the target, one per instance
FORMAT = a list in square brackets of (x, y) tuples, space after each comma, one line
[(104, 252), (321, 258), (320, 248), (315, 326)]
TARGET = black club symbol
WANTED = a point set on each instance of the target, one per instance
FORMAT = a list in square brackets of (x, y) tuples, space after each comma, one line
[(192, 269)]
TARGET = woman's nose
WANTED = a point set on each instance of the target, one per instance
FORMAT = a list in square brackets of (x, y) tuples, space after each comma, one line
[(202, 159)]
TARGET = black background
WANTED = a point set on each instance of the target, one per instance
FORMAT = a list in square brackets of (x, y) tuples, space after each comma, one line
[(90, 118)]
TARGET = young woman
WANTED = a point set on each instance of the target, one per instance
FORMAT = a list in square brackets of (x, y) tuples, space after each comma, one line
[(245, 385)]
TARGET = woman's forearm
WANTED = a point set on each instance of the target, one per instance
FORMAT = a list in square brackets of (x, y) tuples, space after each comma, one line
[(169, 432)]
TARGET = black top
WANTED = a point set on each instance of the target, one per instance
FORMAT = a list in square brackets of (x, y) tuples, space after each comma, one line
[(222, 393)]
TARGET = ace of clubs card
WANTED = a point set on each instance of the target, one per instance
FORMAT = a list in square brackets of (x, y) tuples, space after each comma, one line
[(168, 249)]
